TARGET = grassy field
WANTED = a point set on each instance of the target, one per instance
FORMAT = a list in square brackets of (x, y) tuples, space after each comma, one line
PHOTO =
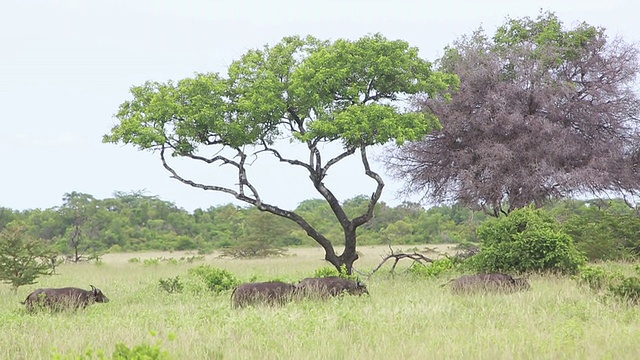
[(404, 318)]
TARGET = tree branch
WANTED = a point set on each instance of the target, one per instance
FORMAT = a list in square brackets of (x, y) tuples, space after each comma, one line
[(330, 254), (331, 162), (277, 154), (175, 175), (375, 196)]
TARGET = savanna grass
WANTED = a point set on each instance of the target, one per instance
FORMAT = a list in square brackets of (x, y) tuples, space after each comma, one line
[(405, 317)]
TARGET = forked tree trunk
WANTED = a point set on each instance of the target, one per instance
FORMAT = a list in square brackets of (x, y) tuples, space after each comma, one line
[(349, 255)]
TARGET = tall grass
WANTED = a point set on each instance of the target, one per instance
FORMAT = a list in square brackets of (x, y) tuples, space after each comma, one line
[(404, 318)]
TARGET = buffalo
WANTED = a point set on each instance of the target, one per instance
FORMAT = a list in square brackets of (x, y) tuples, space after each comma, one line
[(330, 286), (69, 298), (488, 282), (270, 293)]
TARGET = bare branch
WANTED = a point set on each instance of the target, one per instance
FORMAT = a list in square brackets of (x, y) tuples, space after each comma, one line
[(416, 257), (175, 175)]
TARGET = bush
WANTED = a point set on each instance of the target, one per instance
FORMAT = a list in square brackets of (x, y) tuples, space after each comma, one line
[(332, 271), (436, 268), (326, 272), (597, 278), (214, 279), (122, 352), (151, 262), (628, 289), (526, 240), (171, 285), (615, 283)]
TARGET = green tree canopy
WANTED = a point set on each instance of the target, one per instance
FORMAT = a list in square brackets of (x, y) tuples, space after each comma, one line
[(23, 258), (302, 90)]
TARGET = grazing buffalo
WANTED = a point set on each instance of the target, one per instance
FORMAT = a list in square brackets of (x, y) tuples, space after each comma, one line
[(69, 297), (488, 282), (330, 286), (270, 293)]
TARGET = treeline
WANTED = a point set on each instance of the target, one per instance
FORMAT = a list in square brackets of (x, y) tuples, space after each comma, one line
[(85, 225)]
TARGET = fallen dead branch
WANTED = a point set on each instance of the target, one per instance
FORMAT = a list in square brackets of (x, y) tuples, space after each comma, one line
[(415, 256)]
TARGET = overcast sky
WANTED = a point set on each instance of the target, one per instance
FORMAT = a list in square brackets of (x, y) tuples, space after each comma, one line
[(65, 66)]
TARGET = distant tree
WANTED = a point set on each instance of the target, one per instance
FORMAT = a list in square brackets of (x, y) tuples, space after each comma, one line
[(263, 236), (301, 91), (77, 210), (7, 215), (542, 113), (603, 230), (23, 258)]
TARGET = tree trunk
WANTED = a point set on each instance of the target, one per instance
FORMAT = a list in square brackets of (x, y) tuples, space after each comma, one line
[(348, 256)]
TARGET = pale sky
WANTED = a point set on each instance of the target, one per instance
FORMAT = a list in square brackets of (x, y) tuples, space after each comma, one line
[(66, 66)]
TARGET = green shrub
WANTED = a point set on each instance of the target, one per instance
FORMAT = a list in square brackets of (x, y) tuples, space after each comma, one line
[(627, 289), (332, 271), (134, 260), (142, 351), (596, 277), (436, 268), (214, 279), (326, 271), (171, 285), (527, 240), (151, 262)]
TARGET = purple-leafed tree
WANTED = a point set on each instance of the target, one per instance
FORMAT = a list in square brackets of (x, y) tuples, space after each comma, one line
[(542, 112)]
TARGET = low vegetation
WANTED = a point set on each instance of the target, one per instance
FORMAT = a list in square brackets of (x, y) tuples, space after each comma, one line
[(527, 240), (406, 316)]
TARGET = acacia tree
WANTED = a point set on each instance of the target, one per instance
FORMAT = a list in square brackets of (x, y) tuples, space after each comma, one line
[(23, 258), (542, 113), (77, 211), (303, 90)]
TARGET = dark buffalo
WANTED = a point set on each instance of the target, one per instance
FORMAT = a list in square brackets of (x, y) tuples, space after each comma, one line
[(69, 297), (330, 286), (488, 282), (270, 293)]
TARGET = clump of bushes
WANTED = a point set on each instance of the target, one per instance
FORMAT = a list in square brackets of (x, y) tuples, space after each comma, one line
[(327, 271), (171, 261), (596, 277), (151, 262), (200, 279), (434, 269), (611, 283), (527, 240), (215, 279), (628, 289), (122, 352), (171, 284)]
